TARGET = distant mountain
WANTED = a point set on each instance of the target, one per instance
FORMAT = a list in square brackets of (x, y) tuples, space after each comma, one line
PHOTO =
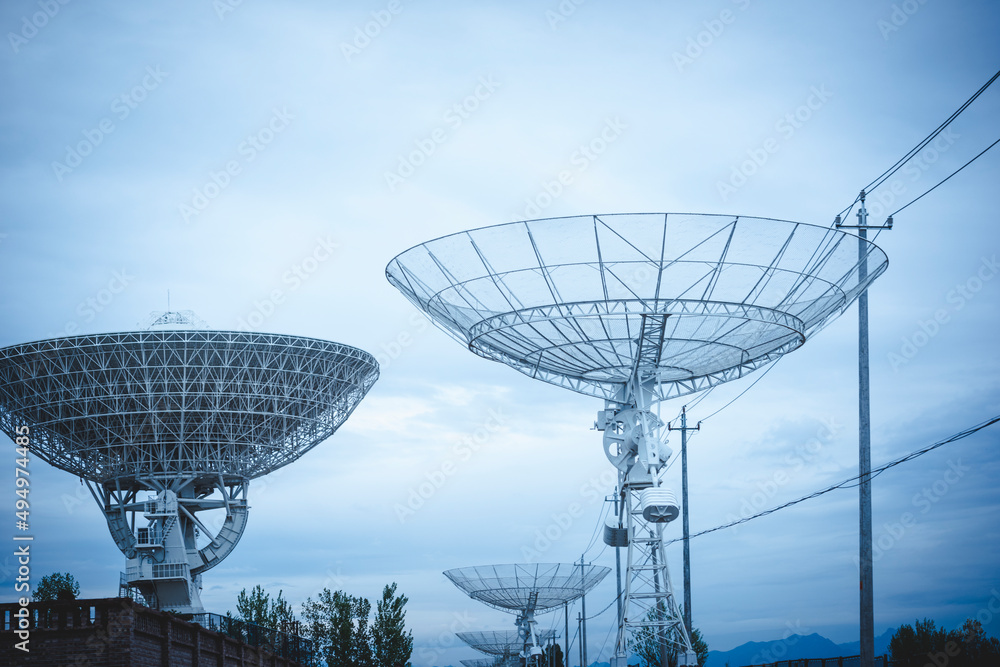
[(881, 644), (792, 648)]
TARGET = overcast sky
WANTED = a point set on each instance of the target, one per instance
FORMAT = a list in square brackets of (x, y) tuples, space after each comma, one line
[(264, 161)]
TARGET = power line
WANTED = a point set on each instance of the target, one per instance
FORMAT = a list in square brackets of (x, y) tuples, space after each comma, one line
[(920, 146), (946, 179), (709, 391), (600, 522), (613, 600), (555, 621), (929, 138), (690, 406), (617, 597), (759, 378), (702, 397), (884, 227), (611, 628), (851, 482)]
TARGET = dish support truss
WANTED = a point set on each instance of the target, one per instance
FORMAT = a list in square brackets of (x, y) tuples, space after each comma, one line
[(164, 563), (531, 638), (651, 615)]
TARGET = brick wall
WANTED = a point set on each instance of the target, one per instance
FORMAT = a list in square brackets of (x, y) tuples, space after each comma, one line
[(116, 632)]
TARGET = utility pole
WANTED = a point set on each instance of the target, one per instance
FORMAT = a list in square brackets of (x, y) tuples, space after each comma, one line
[(867, 578), (684, 514), (865, 563), (583, 616), (566, 636), (618, 555), (579, 631)]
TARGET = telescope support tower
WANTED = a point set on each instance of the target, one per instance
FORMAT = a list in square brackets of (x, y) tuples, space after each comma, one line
[(164, 561), (632, 443)]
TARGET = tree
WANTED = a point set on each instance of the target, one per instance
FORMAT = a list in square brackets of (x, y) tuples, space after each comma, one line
[(975, 648), (330, 624), (258, 609), (910, 645), (341, 627), (56, 586), (283, 615), (393, 643), (924, 643), (651, 648), (362, 639), (551, 656), (700, 646), (255, 607)]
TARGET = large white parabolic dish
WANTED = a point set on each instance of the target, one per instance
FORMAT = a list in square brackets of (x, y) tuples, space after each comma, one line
[(564, 299), (161, 404)]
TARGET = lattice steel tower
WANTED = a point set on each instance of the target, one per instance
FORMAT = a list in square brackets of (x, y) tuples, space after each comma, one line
[(172, 421)]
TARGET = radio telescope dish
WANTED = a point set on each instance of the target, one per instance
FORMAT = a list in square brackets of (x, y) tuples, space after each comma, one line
[(635, 309), (526, 590), (501, 643), (566, 300), (167, 422), (513, 588)]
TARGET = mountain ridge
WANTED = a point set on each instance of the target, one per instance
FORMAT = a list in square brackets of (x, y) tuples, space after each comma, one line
[(793, 647)]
